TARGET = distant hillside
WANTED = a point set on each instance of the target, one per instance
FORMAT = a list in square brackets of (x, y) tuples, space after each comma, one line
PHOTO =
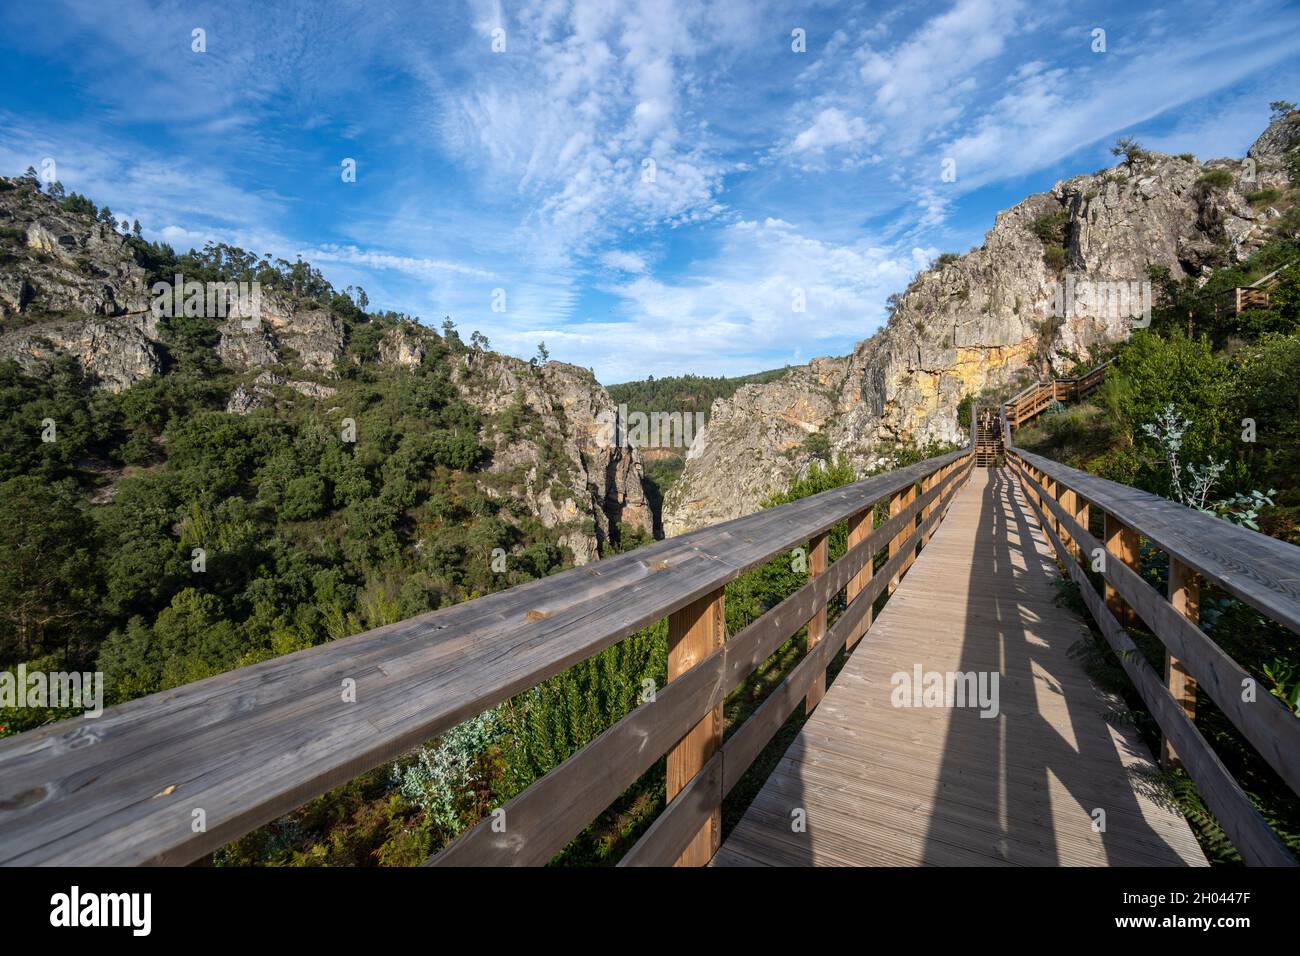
[(684, 394)]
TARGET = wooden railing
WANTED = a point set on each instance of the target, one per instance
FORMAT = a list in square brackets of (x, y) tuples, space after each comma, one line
[(1036, 398), (170, 777), (1259, 570)]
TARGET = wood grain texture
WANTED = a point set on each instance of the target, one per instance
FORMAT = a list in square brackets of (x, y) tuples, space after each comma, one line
[(886, 785), (1122, 544), (1245, 827), (1266, 723), (859, 528), (1262, 571), (817, 554), (1185, 598), (252, 744), (694, 634)]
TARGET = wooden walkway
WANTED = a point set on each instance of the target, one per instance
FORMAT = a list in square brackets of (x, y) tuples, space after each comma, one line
[(880, 784)]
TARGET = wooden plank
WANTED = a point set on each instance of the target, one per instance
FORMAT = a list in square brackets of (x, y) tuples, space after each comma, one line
[(1264, 572), (694, 633), (1245, 827), (255, 743), (538, 823), (896, 504), (1069, 503), (909, 496), (1185, 597), (817, 623), (1269, 725), (670, 837), (859, 528), (746, 743), (760, 640), (1122, 544), (542, 819), (882, 785)]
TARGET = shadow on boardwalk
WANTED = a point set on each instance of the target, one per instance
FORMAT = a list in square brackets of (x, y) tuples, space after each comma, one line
[(879, 784)]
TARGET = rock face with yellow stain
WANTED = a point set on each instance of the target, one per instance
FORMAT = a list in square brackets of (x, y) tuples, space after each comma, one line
[(982, 324)]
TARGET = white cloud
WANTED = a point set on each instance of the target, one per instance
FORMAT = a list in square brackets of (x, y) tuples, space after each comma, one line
[(738, 310), (624, 261)]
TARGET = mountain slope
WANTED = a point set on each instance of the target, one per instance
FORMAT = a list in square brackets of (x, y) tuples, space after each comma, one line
[(72, 285), (984, 321)]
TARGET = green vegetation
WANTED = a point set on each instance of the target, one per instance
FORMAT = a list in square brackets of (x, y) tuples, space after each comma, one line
[(1262, 197), (404, 814), (1216, 179), (1051, 228), (1203, 407), (685, 394), (1132, 151)]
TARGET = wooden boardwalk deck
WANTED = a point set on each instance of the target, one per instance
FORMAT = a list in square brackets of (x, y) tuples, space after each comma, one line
[(905, 786)]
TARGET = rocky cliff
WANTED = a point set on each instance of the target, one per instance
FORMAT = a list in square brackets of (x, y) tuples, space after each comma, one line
[(984, 321), (71, 285)]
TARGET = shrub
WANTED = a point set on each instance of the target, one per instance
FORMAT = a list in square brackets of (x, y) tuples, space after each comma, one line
[(1216, 179), (1262, 197), (1050, 227)]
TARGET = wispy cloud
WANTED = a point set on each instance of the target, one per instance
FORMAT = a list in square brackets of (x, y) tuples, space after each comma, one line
[(651, 184)]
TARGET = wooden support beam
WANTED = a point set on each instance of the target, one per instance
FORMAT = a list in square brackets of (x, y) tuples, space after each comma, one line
[(1049, 485), (817, 555), (896, 505), (927, 483), (695, 632), (1121, 543), (1185, 596), (1069, 504), (908, 497), (860, 525)]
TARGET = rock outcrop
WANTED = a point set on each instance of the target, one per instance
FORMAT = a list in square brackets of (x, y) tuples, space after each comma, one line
[(983, 321), (70, 285), (59, 262), (558, 450), (113, 355)]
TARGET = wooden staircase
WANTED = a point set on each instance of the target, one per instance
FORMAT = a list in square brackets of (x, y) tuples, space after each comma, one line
[(1037, 398), (988, 439)]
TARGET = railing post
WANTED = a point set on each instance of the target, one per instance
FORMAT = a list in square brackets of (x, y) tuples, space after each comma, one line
[(1185, 596), (895, 506), (817, 555), (1121, 543), (1049, 486), (1082, 516), (694, 633), (927, 483), (860, 525), (897, 503), (1068, 504)]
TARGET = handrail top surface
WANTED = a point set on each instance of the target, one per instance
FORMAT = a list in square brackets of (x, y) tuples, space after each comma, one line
[(277, 727), (1260, 570)]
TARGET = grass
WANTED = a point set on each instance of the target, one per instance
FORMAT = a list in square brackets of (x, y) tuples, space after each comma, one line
[(1074, 436)]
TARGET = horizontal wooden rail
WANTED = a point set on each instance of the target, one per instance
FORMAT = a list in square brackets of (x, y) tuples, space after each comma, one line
[(252, 744), (661, 843), (556, 808), (1221, 552)]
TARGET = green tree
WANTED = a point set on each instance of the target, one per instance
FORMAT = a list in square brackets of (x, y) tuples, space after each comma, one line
[(48, 575)]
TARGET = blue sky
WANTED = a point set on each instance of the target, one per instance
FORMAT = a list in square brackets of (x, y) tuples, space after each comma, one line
[(526, 170)]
